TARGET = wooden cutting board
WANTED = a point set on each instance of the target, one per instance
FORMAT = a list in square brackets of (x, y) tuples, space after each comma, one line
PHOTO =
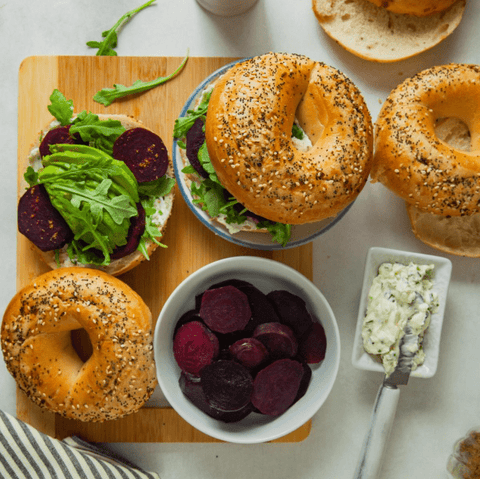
[(190, 244)]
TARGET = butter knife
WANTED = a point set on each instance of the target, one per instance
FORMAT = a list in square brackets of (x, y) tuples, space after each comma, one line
[(383, 414)]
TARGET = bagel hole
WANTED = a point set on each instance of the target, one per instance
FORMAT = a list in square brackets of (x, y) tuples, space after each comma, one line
[(81, 344), (454, 132)]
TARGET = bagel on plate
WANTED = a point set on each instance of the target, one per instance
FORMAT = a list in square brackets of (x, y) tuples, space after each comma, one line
[(388, 30), (99, 190), (427, 152), (288, 139), (36, 337)]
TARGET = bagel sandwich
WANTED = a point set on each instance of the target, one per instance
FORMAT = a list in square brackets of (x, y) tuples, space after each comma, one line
[(388, 30), (278, 140), (99, 190)]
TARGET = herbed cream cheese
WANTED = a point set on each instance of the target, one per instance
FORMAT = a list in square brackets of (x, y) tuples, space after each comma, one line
[(400, 295)]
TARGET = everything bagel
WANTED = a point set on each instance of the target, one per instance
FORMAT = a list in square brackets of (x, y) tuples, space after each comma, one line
[(411, 160), (248, 132), (115, 380)]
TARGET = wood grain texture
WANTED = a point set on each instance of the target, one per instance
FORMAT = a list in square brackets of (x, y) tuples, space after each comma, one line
[(190, 244)]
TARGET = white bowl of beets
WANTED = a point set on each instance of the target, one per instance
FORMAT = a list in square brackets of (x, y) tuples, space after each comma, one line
[(247, 349)]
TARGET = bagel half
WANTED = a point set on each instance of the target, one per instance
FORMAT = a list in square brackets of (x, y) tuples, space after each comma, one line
[(248, 134), (374, 33), (458, 235), (116, 379), (55, 259)]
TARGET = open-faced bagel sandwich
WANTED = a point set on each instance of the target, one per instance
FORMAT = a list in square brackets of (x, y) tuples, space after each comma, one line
[(99, 190)]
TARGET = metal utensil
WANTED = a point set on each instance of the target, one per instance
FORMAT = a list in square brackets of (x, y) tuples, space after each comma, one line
[(383, 412)]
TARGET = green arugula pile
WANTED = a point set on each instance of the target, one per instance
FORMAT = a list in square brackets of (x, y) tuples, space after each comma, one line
[(208, 193), (95, 194)]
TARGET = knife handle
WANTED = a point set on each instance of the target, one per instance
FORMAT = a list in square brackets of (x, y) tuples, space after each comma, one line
[(378, 433)]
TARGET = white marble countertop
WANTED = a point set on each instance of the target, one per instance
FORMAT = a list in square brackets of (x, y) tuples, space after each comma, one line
[(432, 413)]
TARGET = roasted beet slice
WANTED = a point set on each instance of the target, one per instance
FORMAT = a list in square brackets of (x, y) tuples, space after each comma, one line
[(305, 382), (194, 347), (262, 308), (225, 309), (194, 140), (249, 352), (40, 221), (190, 315), (276, 386), (292, 311), (135, 232), (143, 152), (313, 344), (227, 385), (278, 338), (193, 390), (56, 136)]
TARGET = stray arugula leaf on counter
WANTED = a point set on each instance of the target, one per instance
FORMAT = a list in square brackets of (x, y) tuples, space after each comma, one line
[(107, 96), (106, 47)]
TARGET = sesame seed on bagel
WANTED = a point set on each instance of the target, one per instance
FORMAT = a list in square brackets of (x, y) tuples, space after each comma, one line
[(248, 134), (411, 160)]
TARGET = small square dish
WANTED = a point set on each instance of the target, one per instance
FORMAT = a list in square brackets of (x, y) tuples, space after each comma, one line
[(442, 272)]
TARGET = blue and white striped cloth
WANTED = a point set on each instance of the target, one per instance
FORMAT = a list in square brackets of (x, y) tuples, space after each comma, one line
[(26, 453)]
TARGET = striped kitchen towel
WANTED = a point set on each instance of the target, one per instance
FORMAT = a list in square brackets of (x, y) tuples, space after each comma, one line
[(26, 453)]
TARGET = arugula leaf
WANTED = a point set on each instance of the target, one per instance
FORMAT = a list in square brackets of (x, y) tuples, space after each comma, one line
[(151, 233), (31, 176), (157, 188), (106, 47), (60, 107), (100, 134), (183, 124), (297, 132), (280, 232), (107, 96)]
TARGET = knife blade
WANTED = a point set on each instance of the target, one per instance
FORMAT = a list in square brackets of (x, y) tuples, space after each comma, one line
[(384, 409)]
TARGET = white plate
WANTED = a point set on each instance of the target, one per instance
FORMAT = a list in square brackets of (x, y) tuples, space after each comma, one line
[(443, 269), (267, 275), (301, 234)]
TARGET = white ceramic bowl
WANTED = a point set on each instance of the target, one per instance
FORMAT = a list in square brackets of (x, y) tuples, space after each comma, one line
[(301, 234), (443, 268), (267, 275)]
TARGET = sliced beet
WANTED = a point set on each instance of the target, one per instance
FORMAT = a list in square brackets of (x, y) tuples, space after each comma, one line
[(227, 385), (276, 386), (191, 315), (291, 310), (194, 347), (225, 309), (143, 152), (249, 352), (313, 344), (278, 338), (238, 283), (304, 383), (56, 136), (41, 222), (194, 139), (193, 390), (135, 232), (262, 308)]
